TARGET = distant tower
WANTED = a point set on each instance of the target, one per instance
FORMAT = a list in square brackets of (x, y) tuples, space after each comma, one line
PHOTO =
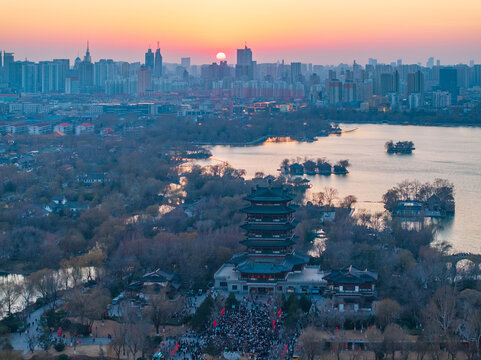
[(244, 68), (149, 60), (144, 81), (86, 72), (158, 62), (87, 57)]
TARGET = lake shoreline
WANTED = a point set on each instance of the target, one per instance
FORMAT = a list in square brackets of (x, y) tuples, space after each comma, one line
[(446, 152), (312, 138)]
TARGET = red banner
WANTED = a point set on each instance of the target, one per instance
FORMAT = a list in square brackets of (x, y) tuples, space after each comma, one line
[(174, 350), (279, 313), (215, 324), (284, 352), (274, 324), (222, 312)]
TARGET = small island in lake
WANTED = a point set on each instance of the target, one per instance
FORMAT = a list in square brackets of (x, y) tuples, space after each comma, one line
[(311, 167), (401, 147)]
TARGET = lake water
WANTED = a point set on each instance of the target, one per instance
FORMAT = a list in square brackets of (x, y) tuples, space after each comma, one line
[(452, 153)]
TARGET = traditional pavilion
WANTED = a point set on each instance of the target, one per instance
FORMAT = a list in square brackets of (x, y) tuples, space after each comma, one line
[(269, 265), (352, 289)]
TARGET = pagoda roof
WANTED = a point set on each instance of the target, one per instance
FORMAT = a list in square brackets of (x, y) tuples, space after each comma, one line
[(258, 267), (253, 265), (158, 276), (268, 210), (267, 243), (269, 193), (351, 275), (270, 227)]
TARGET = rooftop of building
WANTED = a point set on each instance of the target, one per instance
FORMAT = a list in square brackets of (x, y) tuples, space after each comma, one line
[(351, 275), (270, 194)]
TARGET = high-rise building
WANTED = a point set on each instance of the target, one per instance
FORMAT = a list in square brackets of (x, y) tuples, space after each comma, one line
[(296, 72), (334, 91), (441, 99), (244, 68), (29, 77), (448, 81), (463, 72), (49, 81), (104, 70), (144, 80), (63, 67), (349, 91), (415, 83), (477, 75), (149, 59), (86, 72), (185, 62), (389, 83), (430, 63), (158, 63), (87, 57), (8, 68)]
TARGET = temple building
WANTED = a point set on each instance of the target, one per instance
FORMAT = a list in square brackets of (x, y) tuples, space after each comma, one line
[(352, 289), (269, 265)]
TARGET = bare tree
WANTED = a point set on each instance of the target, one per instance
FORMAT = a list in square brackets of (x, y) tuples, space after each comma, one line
[(160, 310), (10, 291), (117, 344), (441, 311), (311, 343), (28, 291), (470, 308), (45, 281), (330, 194), (386, 311), (393, 339)]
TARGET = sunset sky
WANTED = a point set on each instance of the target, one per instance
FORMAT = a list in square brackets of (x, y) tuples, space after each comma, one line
[(317, 31)]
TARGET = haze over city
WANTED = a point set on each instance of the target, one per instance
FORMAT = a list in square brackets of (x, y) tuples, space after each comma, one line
[(319, 32)]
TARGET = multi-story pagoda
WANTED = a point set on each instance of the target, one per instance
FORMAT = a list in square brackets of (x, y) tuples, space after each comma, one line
[(269, 263)]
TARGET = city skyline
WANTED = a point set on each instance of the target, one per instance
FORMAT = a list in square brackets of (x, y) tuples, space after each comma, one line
[(231, 59), (310, 32)]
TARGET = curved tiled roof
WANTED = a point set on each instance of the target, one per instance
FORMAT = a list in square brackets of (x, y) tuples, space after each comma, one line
[(269, 193), (270, 227), (351, 275)]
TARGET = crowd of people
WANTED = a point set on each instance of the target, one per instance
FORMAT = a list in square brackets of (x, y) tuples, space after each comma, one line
[(249, 328)]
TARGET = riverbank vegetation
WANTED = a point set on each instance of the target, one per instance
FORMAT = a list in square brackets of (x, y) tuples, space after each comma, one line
[(412, 196)]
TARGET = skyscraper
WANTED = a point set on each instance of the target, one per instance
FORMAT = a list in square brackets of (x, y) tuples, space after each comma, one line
[(144, 80), (149, 59), (104, 70), (296, 74), (86, 72), (29, 77), (430, 63), (8, 68), (185, 62), (244, 68), (415, 83), (158, 63), (63, 66), (389, 83), (448, 81)]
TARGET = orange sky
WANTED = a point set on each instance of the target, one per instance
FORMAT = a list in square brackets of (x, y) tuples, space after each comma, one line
[(318, 31)]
